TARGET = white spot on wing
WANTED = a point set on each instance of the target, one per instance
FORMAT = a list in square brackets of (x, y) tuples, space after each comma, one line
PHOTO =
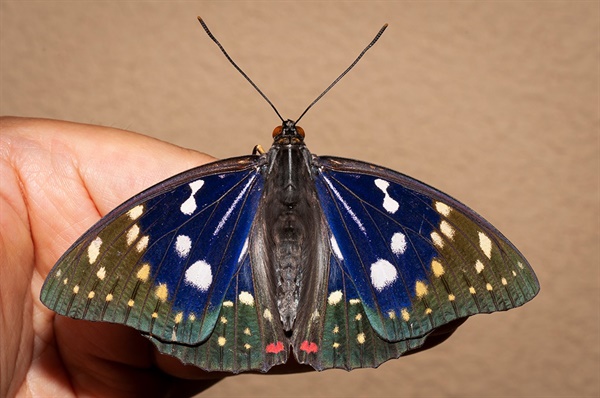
[(183, 245), (346, 206), (244, 250), (383, 274), (189, 206), (199, 275), (336, 248), (94, 249), (233, 205), (246, 298), (398, 244), (335, 297), (388, 203)]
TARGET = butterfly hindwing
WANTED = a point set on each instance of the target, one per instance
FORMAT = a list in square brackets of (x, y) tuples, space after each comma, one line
[(412, 257), (245, 337), (164, 260), (341, 336)]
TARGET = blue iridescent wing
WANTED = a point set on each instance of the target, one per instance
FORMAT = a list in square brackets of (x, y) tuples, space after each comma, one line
[(172, 263), (405, 260)]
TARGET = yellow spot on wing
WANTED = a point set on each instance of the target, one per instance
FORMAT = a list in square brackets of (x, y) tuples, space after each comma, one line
[(221, 340), (247, 346), (192, 317), (162, 292), (91, 295), (142, 244), (447, 229), (489, 287), (94, 249), (228, 303), (247, 332), (130, 302), (479, 266), (154, 315), (101, 274), (144, 272), (361, 338), (504, 281), (223, 320), (472, 290), (451, 297), (358, 317), (354, 301), (428, 311), (132, 234), (392, 314), (405, 315), (135, 212), (335, 345), (443, 208), (76, 289), (336, 329), (437, 239), (437, 268), (420, 289), (178, 317), (109, 297), (485, 244)]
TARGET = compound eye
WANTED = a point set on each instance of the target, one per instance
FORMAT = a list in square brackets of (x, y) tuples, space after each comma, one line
[(300, 131), (277, 131)]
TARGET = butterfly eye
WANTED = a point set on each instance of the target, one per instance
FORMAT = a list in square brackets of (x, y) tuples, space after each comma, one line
[(277, 131), (300, 131)]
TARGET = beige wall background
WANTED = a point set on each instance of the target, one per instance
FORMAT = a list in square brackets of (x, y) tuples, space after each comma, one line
[(493, 102)]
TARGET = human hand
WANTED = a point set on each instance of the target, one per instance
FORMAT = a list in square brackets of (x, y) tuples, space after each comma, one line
[(58, 179)]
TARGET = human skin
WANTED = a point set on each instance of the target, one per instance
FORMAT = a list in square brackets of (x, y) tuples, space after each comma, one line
[(58, 179)]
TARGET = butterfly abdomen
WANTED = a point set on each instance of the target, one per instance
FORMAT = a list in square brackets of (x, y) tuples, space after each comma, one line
[(290, 224)]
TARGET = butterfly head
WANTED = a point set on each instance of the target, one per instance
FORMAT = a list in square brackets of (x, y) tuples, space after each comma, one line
[(288, 133)]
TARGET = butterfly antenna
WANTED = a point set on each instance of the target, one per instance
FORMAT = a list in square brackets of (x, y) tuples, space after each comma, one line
[(208, 32), (346, 71)]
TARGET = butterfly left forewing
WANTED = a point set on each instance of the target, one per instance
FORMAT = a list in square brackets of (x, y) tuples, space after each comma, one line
[(163, 261)]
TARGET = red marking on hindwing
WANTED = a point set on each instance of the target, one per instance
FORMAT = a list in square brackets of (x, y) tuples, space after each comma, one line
[(274, 348), (309, 346)]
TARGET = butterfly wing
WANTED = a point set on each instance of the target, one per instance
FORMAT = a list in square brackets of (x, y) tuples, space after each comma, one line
[(405, 259), (172, 263)]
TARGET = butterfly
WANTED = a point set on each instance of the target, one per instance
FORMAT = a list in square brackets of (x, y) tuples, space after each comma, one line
[(240, 263)]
